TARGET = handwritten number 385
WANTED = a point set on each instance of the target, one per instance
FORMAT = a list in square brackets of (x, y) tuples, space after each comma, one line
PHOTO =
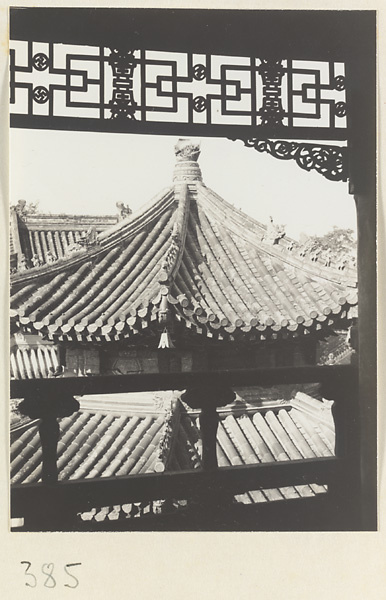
[(48, 570)]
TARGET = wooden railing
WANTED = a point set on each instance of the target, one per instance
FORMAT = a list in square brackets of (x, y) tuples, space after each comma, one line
[(63, 500), (111, 384)]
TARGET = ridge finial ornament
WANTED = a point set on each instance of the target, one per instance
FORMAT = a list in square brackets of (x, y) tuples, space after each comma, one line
[(274, 232), (21, 207), (187, 150), (124, 210)]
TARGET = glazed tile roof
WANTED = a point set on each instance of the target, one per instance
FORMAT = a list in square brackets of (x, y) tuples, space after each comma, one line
[(32, 363), (116, 435), (262, 435), (51, 237), (336, 350), (190, 257)]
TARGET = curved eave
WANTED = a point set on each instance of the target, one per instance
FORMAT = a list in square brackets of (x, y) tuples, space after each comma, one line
[(104, 288), (198, 324), (202, 323), (230, 284), (220, 280)]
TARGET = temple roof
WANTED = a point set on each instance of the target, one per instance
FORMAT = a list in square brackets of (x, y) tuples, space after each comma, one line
[(122, 434), (38, 239), (188, 257)]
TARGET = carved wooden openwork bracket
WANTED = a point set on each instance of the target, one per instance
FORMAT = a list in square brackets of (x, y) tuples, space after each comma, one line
[(151, 91), (124, 89), (329, 161)]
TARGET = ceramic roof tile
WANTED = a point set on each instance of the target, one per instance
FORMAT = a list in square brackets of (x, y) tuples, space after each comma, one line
[(260, 448), (111, 443), (32, 363), (295, 434), (72, 458), (227, 445), (240, 440), (328, 436), (142, 448), (19, 440), (31, 457), (124, 440), (25, 457), (101, 444), (289, 446), (310, 434), (259, 435), (70, 427), (188, 445), (213, 263), (94, 446)]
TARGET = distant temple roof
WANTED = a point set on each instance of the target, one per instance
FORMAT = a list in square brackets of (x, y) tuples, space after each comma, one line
[(188, 256), (122, 434), (37, 238)]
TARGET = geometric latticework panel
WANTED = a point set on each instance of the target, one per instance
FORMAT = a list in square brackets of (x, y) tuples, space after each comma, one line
[(122, 89), (150, 86)]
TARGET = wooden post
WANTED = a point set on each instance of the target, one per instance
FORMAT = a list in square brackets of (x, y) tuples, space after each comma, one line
[(211, 500), (48, 409), (361, 72), (344, 489), (209, 420), (49, 436), (207, 398)]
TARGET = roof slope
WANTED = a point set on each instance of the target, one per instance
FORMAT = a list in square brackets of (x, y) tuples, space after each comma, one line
[(122, 434), (188, 256)]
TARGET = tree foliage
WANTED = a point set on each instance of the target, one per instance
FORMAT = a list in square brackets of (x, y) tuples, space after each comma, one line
[(337, 246), (340, 241)]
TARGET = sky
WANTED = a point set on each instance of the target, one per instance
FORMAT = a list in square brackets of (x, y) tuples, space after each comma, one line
[(87, 173)]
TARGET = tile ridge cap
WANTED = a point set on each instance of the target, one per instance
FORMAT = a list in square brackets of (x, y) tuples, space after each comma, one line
[(280, 251), (174, 254)]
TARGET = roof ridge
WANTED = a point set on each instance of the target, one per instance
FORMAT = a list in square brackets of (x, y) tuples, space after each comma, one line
[(145, 213), (233, 209), (128, 403), (30, 217), (169, 435), (240, 219), (173, 257)]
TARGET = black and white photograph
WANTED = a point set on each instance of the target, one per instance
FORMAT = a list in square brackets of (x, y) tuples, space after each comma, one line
[(192, 213)]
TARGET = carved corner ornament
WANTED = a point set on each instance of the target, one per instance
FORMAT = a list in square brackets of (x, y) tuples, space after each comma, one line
[(329, 161)]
